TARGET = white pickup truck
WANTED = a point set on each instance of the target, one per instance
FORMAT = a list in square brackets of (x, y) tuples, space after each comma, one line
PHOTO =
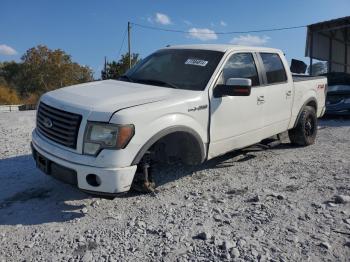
[(190, 103)]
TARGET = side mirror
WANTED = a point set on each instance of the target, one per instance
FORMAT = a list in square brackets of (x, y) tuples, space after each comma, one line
[(298, 67), (234, 87)]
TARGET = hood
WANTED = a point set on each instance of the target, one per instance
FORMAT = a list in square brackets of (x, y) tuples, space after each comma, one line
[(101, 99)]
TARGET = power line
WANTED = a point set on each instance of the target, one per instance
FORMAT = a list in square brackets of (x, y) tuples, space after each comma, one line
[(218, 33), (122, 44)]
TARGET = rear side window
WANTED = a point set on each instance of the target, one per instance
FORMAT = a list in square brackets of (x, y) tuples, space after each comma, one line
[(275, 72), (241, 65)]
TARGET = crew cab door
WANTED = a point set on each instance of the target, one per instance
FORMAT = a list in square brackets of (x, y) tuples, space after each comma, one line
[(235, 121), (278, 92)]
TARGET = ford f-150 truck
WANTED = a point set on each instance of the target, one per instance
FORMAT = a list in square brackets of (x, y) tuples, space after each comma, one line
[(189, 103)]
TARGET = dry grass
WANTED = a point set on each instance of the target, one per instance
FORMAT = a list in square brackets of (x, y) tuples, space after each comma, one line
[(8, 96)]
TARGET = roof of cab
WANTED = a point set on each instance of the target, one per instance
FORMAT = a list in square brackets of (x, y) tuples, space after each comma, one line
[(224, 47)]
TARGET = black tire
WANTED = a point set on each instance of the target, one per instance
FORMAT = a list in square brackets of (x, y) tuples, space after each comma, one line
[(304, 133)]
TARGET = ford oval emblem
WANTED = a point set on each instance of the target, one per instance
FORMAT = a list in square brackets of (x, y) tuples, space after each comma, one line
[(47, 122)]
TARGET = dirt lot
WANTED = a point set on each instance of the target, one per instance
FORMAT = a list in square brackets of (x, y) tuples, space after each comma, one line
[(279, 204)]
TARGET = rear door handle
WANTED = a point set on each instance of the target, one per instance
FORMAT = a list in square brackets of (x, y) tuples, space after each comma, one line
[(260, 100), (288, 93)]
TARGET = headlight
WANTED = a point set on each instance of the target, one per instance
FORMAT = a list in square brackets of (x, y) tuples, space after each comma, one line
[(100, 136)]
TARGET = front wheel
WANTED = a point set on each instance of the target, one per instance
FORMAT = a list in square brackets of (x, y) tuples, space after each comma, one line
[(143, 180), (304, 133)]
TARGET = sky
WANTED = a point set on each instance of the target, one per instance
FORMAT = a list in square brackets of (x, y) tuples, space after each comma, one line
[(89, 30)]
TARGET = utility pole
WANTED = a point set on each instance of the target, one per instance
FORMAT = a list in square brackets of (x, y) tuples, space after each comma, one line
[(129, 44), (104, 75)]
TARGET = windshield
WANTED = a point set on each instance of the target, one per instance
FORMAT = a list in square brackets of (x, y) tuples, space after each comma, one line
[(176, 68)]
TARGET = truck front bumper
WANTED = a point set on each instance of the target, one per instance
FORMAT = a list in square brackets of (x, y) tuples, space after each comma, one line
[(98, 180)]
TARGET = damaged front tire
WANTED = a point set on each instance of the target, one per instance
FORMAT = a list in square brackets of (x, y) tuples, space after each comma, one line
[(143, 180)]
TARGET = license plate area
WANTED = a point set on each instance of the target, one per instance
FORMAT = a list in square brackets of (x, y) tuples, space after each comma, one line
[(55, 170), (42, 163)]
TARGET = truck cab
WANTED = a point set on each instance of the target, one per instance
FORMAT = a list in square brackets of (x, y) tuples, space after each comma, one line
[(190, 103)]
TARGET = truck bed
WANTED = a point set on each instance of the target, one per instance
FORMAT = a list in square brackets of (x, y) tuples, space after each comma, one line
[(298, 78), (311, 86)]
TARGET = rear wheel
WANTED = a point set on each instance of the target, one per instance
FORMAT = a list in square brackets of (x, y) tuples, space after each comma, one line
[(304, 133)]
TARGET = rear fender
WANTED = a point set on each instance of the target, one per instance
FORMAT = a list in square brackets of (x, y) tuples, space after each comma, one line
[(312, 101)]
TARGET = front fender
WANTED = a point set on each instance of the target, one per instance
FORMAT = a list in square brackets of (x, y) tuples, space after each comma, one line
[(150, 126)]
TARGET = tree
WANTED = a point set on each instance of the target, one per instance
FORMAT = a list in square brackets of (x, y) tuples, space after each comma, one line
[(43, 69), (40, 70), (9, 73), (113, 70)]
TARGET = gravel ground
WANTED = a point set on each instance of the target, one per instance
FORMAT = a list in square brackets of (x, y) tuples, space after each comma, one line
[(277, 204)]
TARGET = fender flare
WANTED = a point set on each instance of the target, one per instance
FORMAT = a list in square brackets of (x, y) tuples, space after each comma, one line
[(311, 99), (168, 131)]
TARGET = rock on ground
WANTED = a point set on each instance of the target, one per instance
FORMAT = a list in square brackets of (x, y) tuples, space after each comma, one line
[(276, 204)]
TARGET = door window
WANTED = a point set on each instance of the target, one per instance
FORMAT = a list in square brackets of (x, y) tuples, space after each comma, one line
[(275, 72), (240, 65)]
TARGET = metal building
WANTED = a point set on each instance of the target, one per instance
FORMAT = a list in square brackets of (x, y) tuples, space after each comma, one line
[(330, 41)]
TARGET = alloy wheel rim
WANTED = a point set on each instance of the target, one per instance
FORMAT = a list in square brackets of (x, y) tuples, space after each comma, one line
[(309, 127)]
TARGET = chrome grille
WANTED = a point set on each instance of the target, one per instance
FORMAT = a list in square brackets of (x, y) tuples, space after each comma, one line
[(57, 125)]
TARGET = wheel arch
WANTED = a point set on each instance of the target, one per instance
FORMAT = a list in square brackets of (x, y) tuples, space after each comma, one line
[(201, 147), (309, 102)]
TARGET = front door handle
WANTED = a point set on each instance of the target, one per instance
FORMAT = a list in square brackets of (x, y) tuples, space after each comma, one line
[(288, 93), (260, 100)]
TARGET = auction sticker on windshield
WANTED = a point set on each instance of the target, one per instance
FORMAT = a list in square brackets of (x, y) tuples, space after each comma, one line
[(197, 62)]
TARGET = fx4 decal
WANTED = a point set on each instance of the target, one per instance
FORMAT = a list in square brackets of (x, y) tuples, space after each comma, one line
[(197, 108)]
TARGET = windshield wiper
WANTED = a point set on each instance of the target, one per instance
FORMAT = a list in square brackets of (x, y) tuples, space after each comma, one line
[(125, 77), (156, 82)]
